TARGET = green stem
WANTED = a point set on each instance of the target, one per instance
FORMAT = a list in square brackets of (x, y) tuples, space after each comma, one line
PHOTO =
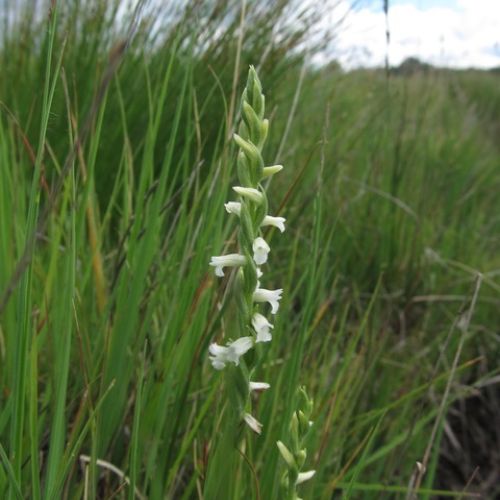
[(226, 457)]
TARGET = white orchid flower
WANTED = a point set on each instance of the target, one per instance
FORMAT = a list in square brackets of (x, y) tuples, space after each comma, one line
[(253, 423), (305, 476), (220, 355), (262, 327), (234, 207), (271, 296), (278, 222), (260, 250), (259, 386), (229, 260)]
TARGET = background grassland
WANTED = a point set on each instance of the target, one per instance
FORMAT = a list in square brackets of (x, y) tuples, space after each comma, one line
[(114, 166)]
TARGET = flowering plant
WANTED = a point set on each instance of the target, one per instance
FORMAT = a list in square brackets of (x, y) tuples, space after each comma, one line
[(253, 251)]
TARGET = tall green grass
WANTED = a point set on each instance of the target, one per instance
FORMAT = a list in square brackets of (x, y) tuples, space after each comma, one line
[(115, 164)]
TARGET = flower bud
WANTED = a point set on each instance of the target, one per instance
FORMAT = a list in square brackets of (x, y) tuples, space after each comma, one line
[(301, 457), (287, 455), (294, 431), (305, 476), (244, 170), (264, 129), (251, 193), (268, 171), (249, 148), (253, 123), (253, 423)]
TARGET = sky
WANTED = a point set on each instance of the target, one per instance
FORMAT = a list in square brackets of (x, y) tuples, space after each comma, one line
[(451, 33), (447, 33)]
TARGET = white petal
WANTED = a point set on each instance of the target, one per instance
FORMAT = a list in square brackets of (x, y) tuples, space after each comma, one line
[(221, 355), (237, 348), (217, 364), (278, 222), (261, 327), (305, 476), (259, 386), (229, 260), (264, 336), (218, 356), (233, 207), (253, 423), (217, 350), (260, 250), (241, 345), (271, 296)]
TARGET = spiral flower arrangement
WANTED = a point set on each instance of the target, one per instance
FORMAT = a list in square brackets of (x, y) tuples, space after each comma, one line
[(251, 209)]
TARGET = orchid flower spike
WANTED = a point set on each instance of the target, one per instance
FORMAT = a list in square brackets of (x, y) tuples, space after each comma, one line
[(253, 251), (229, 260)]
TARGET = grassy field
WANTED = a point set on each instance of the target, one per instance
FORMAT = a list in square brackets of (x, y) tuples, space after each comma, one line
[(116, 160)]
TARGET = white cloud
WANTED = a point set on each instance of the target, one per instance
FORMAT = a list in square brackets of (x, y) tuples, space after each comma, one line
[(466, 35)]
